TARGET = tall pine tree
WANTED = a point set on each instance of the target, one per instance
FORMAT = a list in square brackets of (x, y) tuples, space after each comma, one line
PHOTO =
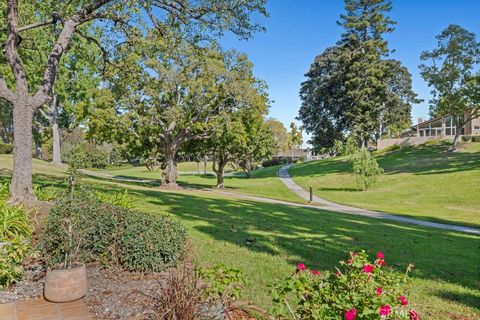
[(353, 88)]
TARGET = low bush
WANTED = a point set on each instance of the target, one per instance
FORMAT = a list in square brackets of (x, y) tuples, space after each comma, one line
[(87, 155), (359, 289), (111, 234), (471, 138), (148, 242), (273, 162), (6, 148), (15, 237)]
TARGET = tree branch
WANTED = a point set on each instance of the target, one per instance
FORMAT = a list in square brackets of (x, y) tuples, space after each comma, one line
[(5, 93)]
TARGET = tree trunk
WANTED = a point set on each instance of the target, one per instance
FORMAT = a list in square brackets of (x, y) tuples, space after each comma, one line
[(220, 171), (456, 140), (21, 187), (56, 155), (169, 168)]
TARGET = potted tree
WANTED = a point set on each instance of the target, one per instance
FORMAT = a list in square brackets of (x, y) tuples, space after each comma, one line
[(67, 281)]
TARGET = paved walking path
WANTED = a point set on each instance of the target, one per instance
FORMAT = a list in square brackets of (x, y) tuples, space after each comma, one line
[(332, 206), (318, 203), (40, 309)]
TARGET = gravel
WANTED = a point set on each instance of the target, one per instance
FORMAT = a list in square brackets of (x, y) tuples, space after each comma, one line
[(113, 293)]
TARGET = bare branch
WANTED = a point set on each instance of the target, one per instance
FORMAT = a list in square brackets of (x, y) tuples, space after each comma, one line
[(37, 25)]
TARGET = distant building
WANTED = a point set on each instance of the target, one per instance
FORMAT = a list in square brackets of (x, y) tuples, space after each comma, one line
[(441, 128), (298, 154)]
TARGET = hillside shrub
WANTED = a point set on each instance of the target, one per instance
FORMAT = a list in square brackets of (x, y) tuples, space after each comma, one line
[(359, 289), (365, 168), (15, 238), (6, 148), (88, 155), (47, 193), (273, 162), (112, 234)]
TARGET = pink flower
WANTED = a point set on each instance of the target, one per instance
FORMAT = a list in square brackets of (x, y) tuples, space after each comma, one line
[(414, 315), (381, 262), (337, 274), (301, 266), (385, 310), (380, 255), (368, 268), (378, 291), (403, 300), (315, 272), (351, 314), (349, 261)]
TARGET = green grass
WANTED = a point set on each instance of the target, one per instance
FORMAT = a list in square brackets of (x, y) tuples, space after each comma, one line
[(264, 183), (425, 182), (140, 171), (446, 280)]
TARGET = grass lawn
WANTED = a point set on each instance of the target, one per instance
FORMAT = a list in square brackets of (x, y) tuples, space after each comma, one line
[(446, 280), (140, 171), (424, 182)]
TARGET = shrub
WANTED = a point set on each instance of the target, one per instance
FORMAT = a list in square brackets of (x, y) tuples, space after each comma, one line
[(6, 148), (148, 242), (111, 234), (365, 168), (273, 162), (390, 148), (198, 293), (86, 155), (359, 289), (15, 236)]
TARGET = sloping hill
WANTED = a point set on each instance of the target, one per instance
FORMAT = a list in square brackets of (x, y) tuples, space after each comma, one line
[(424, 182)]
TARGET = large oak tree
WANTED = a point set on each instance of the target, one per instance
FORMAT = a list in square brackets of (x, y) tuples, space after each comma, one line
[(64, 20)]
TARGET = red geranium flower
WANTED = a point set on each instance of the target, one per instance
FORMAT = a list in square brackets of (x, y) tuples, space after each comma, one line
[(337, 274), (414, 315), (403, 300), (315, 272), (351, 314), (381, 262), (368, 268), (378, 291), (301, 266), (380, 255), (385, 310)]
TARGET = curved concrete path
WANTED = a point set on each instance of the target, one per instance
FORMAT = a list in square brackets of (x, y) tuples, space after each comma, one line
[(332, 206)]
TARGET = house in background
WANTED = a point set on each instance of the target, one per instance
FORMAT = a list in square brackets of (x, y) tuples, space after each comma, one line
[(442, 128)]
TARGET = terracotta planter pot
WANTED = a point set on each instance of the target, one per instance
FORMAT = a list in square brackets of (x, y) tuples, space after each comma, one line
[(65, 285)]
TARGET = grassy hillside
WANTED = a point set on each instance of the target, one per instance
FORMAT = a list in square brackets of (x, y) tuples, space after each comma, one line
[(445, 280), (263, 183), (425, 182)]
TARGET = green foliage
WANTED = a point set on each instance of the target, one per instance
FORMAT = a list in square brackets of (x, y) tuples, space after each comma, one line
[(222, 282), (120, 198), (358, 287), (48, 193), (150, 243), (354, 87), (15, 235), (451, 70), (6, 148), (80, 227), (86, 155), (365, 168)]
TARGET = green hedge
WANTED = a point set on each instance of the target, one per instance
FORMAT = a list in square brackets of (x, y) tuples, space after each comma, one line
[(6, 148), (136, 240)]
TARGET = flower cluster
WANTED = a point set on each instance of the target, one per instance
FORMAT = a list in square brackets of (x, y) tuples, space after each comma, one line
[(357, 290)]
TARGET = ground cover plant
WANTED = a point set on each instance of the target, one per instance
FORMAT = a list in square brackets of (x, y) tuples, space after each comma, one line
[(425, 182), (281, 236), (15, 238)]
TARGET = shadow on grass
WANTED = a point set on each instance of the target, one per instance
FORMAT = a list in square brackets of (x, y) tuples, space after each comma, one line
[(321, 238), (318, 238), (469, 299)]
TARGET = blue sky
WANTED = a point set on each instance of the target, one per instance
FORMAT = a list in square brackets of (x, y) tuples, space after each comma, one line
[(298, 30)]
